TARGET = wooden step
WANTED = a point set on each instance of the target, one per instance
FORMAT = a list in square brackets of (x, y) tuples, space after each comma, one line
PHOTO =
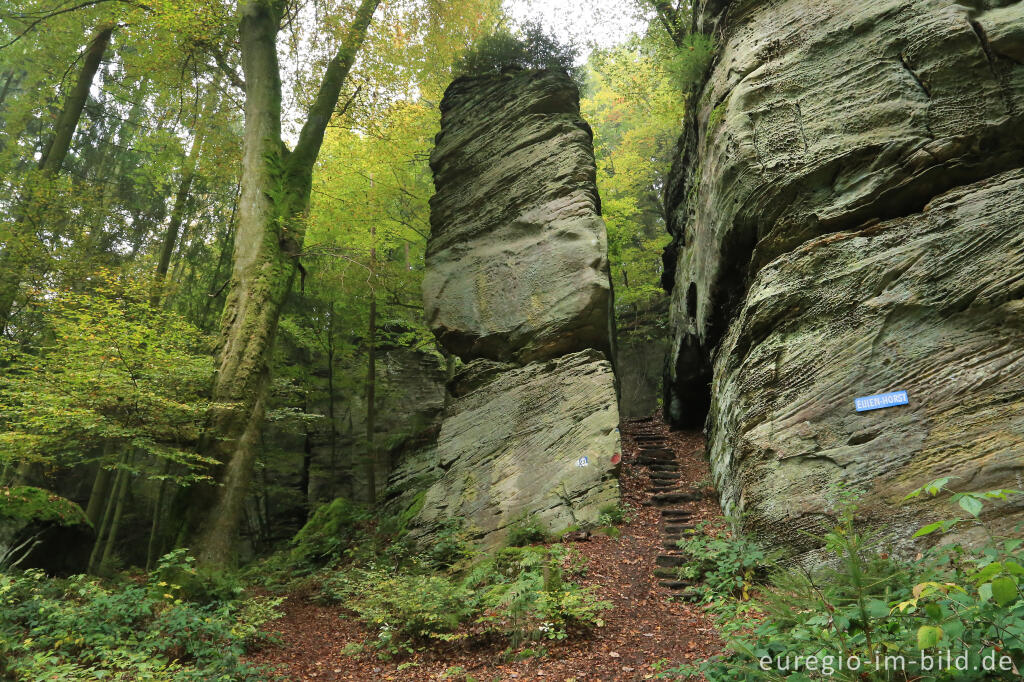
[(670, 467), (664, 475), (678, 530), (665, 499), (671, 560), (674, 584), (644, 460), (669, 573), (656, 450), (678, 513)]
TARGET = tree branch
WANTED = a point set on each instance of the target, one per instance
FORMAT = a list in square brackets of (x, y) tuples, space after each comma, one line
[(222, 64), (670, 19), (312, 134), (57, 12)]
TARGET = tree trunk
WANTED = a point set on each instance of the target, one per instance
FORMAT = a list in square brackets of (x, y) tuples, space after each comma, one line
[(371, 387), (331, 412), (276, 185), (188, 171), (8, 81), (55, 152), (153, 550), (100, 487), (115, 523), (101, 532), (226, 243), (15, 258)]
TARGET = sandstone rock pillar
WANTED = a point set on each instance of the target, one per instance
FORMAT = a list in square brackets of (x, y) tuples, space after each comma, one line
[(517, 285)]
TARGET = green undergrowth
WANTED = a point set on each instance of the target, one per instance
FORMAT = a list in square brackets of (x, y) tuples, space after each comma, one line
[(950, 613), (146, 628), (519, 594), (412, 596)]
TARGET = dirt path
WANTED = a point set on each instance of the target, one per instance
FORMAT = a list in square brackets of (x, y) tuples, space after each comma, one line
[(645, 625)]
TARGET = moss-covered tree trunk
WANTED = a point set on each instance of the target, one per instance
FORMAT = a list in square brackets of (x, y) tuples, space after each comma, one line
[(275, 192)]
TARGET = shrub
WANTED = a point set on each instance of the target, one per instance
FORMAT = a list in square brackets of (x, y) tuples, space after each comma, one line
[(869, 607), (520, 593), (449, 547), (404, 608), (524, 530), (688, 63), (528, 48), (189, 582), (613, 515), (523, 595), (84, 629), (725, 561)]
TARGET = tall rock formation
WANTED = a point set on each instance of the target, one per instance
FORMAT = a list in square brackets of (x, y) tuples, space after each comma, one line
[(846, 212), (517, 285)]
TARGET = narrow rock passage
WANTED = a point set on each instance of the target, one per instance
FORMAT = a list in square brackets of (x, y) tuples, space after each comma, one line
[(662, 479)]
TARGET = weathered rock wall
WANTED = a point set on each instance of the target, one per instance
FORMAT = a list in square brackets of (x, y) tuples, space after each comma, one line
[(517, 265), (517, 285), (846, 220)]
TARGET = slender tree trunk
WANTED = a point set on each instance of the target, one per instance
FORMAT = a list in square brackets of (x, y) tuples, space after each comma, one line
[(331, 412), (307, 451), (115, 523), (153, 550), (307, 466), (100, 487), (8, 81), (57, 150), (188, 171), (105, 524), (226, 243), (263, 509), (371, 391), (276, 184), (15, 257)]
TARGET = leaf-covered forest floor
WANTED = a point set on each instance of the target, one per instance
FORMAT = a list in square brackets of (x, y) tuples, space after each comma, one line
[(645, 626)]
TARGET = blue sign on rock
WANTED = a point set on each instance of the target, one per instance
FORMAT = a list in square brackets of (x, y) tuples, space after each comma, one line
[(877, 402)]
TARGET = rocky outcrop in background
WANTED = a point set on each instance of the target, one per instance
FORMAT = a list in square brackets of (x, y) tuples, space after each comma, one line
[(517, 286), (846, 219), (641, 344)]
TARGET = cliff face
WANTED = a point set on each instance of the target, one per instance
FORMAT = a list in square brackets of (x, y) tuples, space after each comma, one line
[(846, 220), (517, 285)]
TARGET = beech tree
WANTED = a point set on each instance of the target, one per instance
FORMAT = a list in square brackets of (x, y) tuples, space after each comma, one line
[(276, 184)]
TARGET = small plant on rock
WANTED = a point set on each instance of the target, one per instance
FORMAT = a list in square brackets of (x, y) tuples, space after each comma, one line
[(524, 530), (530, 47)]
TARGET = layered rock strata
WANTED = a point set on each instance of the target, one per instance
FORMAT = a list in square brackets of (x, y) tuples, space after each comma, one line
[(846, 219), (517, 285)]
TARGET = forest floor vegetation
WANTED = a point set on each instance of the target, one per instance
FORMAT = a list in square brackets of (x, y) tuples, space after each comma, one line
[(586, 608)]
